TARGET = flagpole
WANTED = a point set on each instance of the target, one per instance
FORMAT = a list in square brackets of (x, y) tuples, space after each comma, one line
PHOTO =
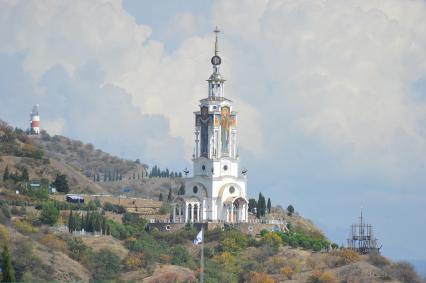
[(202, 257)]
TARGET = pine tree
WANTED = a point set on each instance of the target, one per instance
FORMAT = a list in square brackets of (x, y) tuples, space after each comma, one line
[(61, 183), (160, 198), (97, 178), (6, 174), (269, 206), (70, 222), (169, 197), (7, 268)]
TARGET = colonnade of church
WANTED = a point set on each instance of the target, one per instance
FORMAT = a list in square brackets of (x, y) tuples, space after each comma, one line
[(192, 212), (236, 214), (188, 212)]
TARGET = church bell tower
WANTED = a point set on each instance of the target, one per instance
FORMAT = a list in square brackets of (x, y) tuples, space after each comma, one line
[(217, 189)]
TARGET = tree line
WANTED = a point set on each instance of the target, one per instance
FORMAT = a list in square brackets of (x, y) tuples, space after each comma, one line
[(261, 206), (158, 172), (92, 222), (16, 177)]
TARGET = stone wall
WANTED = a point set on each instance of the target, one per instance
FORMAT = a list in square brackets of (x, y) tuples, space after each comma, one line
[(248, 228)]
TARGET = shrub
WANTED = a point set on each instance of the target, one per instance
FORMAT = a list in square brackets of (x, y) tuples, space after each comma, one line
[(233, 241), (225, 258), (134, 220), (53, 242), (288, 272), (273, 240), (332, 260), (313, 262), (150, 247), (24, 227), (404, 271), (318, 276), (291, 267), (134, 261), (105, 265), (260, 277), (78, 250), (180, 255), (378, 260), (166, 208), (116, 208), (49, 214), (349, 256)]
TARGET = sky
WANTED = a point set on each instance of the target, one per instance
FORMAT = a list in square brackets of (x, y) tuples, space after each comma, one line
[(331, 95)]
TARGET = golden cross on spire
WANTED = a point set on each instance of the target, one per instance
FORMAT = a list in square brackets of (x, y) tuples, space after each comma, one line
[(216, 48)]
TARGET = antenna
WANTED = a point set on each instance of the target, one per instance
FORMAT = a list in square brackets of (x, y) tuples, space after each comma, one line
[(216, 45)]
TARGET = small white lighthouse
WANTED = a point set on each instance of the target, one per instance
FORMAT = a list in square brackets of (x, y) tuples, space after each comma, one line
[(35, 121)]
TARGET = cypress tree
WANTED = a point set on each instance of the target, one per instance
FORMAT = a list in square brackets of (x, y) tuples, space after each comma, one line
[(7, 268), (169, 197), (70, 222), (104, 226), (259, 206), (181, 190), (24, 175), (269, 205), (160, 198), (6, 174)]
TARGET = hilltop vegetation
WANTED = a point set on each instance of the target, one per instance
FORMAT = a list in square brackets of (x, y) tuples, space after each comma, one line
[(85, 158), (132, 253), (89, 170), (42, 238)]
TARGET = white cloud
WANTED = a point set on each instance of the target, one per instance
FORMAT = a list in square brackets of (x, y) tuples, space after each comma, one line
[(329, 91), (343, 73)]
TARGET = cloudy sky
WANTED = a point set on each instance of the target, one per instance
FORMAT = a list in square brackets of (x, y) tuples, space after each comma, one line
[(331, 94)]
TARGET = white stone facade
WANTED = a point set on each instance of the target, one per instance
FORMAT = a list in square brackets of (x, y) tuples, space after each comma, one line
[(217, 190)]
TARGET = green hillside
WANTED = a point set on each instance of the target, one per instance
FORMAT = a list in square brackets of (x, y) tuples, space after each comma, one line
[(41, 238)]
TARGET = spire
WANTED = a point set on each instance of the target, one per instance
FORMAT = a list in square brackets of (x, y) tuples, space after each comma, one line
[(215, 80), (216, 45)]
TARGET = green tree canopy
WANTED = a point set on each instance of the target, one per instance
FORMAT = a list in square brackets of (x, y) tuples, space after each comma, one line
[(49, 213), (290, 210), (61, 183), (105, 265)]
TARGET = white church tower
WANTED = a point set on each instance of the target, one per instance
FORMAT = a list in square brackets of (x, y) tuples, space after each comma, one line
[(217, 190)]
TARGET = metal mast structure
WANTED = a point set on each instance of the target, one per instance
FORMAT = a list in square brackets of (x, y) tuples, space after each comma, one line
[(361, 238)]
